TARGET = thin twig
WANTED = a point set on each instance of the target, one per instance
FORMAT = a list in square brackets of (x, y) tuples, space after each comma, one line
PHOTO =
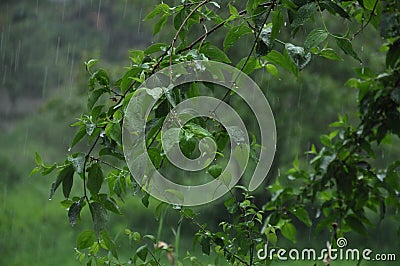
[(84, 167), (179, 31), (366, 24)]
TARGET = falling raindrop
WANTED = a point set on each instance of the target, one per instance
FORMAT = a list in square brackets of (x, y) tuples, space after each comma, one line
[(140, 20), (57, 49), (17, 53), (46, 69), (98, 15)]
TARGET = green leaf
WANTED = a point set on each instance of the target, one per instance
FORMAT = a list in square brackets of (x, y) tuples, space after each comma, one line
[(85, 239), (289, 231), (160, 24), (213, 52), (369, 4), (302, 215), (141, 252), (303, 14), (99, 216), (109, 243), (68, 181), (355, 224), (281, 60), (250, 66), (155, 157), (197, 130), (145, 199), (95, 178), (79, 135), (187, 145), (277, 23), (74, 212), (38, 159), (329, 54), (215, 170), (234, 34), (159, 9), (136, 56), (272, 70), (298, 55), (63, 173), (113, 131), (315, 37), (333, 8), (100, 77), (205, 245), (156, 47), (93, 97), (90, 63), (347, 47), (234, 12), (127, 79)]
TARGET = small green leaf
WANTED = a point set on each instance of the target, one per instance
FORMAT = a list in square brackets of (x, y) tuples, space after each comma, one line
[(213, 52), (145, 199), (67, 171), (281, 60), (347, 47), (250, 66), (141, 252), (38, 159), (113, 131), (90, 63), (198, 130), (85, 239), (159, 9), (68, 181), (369, 4), (205, 245), (109, 243), (234, 34), (277, 23), (99, 216), (289, 231), (79, 135), (136, 56), (234, 12), (333, 8), (302, 215), (156, 47), (74, 212), (127, 79), (272, 70), (95, 178), (315, 37), (303, 14), (160, 24), (93, 97), (215, 170), (330, 54)]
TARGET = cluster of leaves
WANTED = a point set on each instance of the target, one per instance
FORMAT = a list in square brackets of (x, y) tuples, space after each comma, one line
[(342, 183)]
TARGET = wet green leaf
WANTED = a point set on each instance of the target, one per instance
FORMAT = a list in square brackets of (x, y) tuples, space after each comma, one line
[(85, 239)]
